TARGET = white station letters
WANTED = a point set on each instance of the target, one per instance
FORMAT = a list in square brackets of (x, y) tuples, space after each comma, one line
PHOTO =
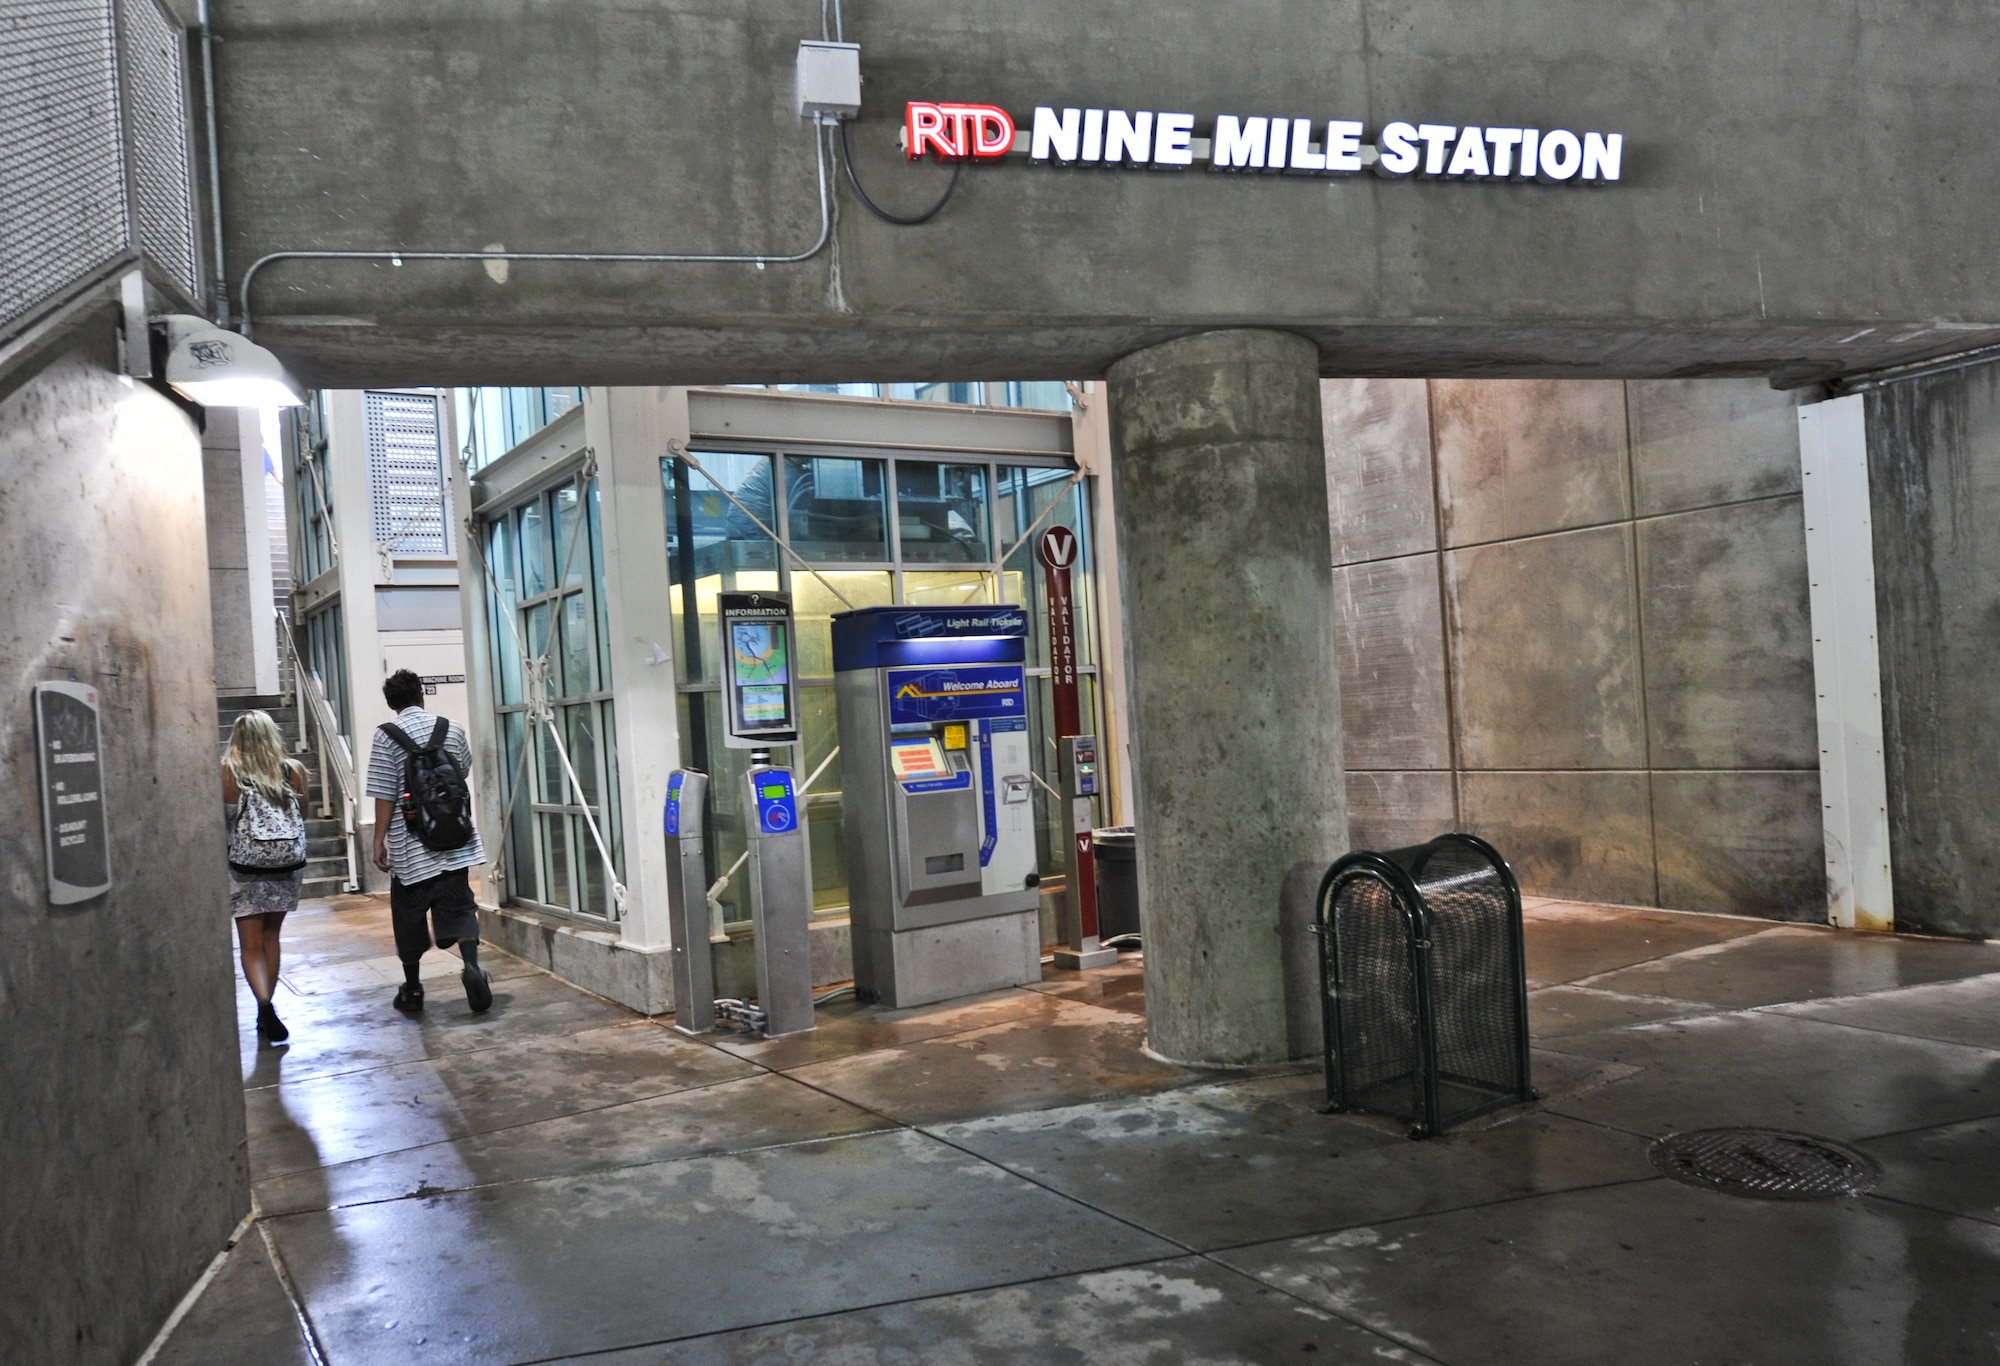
[(1267, 143)]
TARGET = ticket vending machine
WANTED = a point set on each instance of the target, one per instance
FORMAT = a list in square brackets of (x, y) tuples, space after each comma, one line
[(937, 800)]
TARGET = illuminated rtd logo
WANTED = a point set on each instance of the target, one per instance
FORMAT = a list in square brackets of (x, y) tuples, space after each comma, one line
[(957, 132)]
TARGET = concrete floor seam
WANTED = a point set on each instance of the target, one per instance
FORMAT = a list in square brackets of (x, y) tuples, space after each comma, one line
[(1699, 951), (1784, 1010), (882, 1304), (433, 1193), (1904, 1202), (1519, 1198), (384, 1066), (307, 1333), (1423, 1350)]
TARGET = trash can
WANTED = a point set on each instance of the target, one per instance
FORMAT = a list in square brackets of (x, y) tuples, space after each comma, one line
[(1423, 983), (1117, 882)]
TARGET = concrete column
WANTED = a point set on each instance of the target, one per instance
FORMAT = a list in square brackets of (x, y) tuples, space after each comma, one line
[(1225, 571)]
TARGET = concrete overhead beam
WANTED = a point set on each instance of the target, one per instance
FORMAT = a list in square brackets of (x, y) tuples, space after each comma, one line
[(1801, 195)]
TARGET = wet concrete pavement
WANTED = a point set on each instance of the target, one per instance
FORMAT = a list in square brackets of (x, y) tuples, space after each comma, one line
[(1010, 1179)]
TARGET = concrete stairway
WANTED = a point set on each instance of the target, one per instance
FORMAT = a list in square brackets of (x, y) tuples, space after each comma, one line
[(326, 858)]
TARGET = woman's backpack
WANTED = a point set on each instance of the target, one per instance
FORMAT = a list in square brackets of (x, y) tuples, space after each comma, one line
[(267, 838)]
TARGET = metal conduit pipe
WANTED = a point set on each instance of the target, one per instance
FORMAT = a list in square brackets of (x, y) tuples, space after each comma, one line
[(596, 257)]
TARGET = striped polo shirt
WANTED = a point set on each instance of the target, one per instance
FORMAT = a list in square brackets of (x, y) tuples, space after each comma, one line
[(409, 860)]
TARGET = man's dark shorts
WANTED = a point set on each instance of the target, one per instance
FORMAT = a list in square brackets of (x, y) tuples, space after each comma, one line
[(447, 900)]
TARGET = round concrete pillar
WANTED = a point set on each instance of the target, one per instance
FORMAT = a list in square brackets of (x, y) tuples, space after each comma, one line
[(1225, 569)]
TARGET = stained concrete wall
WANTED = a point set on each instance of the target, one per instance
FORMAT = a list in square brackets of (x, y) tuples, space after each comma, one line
[(1773, 150), (122, 1117), (1934, 486), (1574, 620)]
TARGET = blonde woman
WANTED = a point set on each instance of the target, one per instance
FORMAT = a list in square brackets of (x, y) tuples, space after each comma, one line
[(265, 793)]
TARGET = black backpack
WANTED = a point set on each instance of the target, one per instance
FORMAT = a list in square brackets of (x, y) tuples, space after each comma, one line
[(437, 805)]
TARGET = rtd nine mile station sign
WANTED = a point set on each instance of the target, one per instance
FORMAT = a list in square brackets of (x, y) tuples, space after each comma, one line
[(1298, 146)]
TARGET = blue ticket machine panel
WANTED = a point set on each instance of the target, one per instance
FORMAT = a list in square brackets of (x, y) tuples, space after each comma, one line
[(937, 799), (676, 785), (777, 803)]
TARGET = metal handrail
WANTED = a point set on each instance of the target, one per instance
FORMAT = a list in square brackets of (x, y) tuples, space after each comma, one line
[(336, 762)]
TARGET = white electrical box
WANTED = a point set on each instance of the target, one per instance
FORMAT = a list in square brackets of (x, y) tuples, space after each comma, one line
[(829, 80)]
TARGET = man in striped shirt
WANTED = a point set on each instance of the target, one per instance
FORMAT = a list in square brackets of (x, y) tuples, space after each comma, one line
[(430, 892)]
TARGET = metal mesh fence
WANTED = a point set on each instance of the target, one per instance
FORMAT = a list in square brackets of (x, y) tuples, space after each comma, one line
[(94, 160), (62, 176), (156, 113), (1425, 983)]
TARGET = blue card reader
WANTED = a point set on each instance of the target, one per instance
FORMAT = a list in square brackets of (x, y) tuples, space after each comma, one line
[(777, 803)]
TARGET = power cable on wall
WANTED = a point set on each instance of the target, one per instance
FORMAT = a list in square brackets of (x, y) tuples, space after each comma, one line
[(847, 161)]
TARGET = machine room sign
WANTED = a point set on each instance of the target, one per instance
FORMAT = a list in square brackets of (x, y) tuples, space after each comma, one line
[(1263, 143)]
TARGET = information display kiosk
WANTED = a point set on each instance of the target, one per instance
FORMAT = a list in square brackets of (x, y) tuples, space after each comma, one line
[(937, 800)]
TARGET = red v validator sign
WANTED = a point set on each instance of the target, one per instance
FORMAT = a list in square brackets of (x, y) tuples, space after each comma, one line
[(1260, 142)]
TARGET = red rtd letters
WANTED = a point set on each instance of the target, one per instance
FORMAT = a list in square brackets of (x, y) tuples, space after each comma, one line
[(957, 132)]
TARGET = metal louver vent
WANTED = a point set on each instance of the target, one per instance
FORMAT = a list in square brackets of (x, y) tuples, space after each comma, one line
[(407, 488), (156, 114), (62, 214)]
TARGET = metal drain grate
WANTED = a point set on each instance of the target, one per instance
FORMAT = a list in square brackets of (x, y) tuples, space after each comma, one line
[(1765, 1164)]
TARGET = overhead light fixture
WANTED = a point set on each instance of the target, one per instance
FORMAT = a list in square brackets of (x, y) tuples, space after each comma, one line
[(219, 369)]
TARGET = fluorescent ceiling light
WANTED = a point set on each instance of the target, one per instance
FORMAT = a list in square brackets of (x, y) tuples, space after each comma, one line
[(219, 369)]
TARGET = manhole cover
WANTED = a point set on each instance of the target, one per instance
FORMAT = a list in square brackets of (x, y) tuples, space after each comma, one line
[(1765, 1164)]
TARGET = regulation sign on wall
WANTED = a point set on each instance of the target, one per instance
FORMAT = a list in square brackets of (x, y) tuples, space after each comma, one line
[(73, 824)]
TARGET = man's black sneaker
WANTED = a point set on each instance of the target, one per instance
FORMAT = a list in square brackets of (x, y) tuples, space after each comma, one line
[(478, 989), (410, 997), (269, 1025)]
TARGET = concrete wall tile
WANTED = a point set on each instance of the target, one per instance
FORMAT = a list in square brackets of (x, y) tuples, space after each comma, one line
[(1728, 633), (1378, 467), (1544, 643), (1698, 442), (1395, 810), (1390, 647), (1741, 843), (1522, 457), (1586, 836)]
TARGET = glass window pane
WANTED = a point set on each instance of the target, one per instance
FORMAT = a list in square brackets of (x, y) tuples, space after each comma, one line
[(614, 829), (818, 733), (580, 730), (555, 860), (552, 787), (520, 825), (1022, 495), (712, 547), (579, 653), (590, 870), (813, 606), (536, 624), (941, 511), (534, 542), (836, 508), (947, 587), (572, 556), (597, 593)]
